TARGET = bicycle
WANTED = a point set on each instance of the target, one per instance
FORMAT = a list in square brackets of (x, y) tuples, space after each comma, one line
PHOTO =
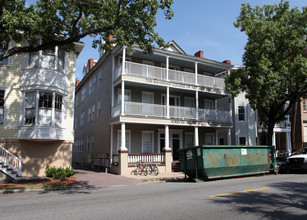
[(141, 168), (153, 168)]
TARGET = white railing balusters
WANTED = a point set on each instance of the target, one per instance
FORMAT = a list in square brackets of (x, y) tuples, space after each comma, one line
[(176, 76), (146, 158), (10, 160), (176, 112)]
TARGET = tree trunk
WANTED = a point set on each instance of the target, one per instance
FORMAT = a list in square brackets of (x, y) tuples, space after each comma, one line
[(270, 133)]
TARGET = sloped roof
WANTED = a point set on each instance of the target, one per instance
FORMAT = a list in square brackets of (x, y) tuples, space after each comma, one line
[(174, 47)]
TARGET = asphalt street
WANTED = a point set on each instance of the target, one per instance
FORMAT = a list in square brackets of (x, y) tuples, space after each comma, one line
[(257, 197)]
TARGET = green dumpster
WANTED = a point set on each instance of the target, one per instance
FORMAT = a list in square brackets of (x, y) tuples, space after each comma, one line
[(211, 162)]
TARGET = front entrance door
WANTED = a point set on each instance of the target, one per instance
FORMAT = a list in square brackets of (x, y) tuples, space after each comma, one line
[(176, 146), (175, 142)]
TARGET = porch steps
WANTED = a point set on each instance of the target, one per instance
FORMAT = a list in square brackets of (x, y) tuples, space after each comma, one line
[(10, 164), (176, 166), (9, 171)]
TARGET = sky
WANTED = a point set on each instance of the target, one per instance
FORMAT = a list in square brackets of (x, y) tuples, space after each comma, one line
[(205, 25)]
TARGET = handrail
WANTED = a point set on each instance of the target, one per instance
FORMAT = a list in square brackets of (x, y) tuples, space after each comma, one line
[(10, 159)]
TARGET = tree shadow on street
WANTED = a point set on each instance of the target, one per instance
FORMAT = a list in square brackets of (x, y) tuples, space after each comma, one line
[(289, 203)]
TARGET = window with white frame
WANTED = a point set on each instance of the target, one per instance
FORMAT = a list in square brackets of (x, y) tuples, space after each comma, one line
[(50, 59), (58, 110), (90, 87), (45, 108), (77, 100), (49, 112), (30, 108), (98, 109), (76, 122), (189, 102), (83, 93), (89, 113), (94, 83), (241, 113), (93, 111), (147, 142), (99, 79), (209, 104), (127, 95), (209, 139), (128, 140), (2, 93), (189, 139), (82, 118)]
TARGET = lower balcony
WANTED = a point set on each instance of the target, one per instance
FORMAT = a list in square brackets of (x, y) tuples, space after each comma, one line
[(175, 112)]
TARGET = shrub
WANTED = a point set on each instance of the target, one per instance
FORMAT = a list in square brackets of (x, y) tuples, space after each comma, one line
[(50, 171), (69, 171), (59, 173)]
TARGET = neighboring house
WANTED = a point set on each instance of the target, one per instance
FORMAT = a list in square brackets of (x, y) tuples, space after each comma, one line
[(299, 125), (36, 109), (249, 131), (304, 119), (147, 107)]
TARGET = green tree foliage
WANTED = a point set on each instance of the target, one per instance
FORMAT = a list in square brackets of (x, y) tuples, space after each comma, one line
[(274, 72), (63, 22)]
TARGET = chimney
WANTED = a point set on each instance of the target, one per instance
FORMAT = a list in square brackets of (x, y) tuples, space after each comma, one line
[(111, 39), (199, 54), (90, 64), (77, 83), (227, 61)]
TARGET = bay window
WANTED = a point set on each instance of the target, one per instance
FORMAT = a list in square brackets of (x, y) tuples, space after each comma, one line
[(43, 108), (2, 92), (50, 59)]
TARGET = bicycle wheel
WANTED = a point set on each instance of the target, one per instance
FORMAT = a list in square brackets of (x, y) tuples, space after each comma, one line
[(139, 170), (149, 169), (156, 170), (145, 171)]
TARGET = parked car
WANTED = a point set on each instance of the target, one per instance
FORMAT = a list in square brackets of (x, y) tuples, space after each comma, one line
[(282, 164), (298, 161)]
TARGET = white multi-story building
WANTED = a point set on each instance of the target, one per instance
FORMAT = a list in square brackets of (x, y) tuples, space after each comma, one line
[(148, 106), (36, 110)]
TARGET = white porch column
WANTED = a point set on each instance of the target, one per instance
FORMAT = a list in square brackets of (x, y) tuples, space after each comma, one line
[(196, 138), (124, 61), (113, 72), (274, 139), (123, 99), (167, 67), (167, 102), (166, 146), (196, 72), (229, 137), (288, 144), (123, 137), (111, 147), (196, 104)]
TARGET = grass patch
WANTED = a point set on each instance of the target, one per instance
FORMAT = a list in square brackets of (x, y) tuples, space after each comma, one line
[(38, 186), (49, 184)]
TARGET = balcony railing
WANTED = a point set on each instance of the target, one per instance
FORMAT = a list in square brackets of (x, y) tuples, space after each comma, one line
[(152, 72), (175, 112)]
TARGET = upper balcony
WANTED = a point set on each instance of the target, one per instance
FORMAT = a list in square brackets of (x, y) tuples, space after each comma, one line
[(145, 110), (174, 78)]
